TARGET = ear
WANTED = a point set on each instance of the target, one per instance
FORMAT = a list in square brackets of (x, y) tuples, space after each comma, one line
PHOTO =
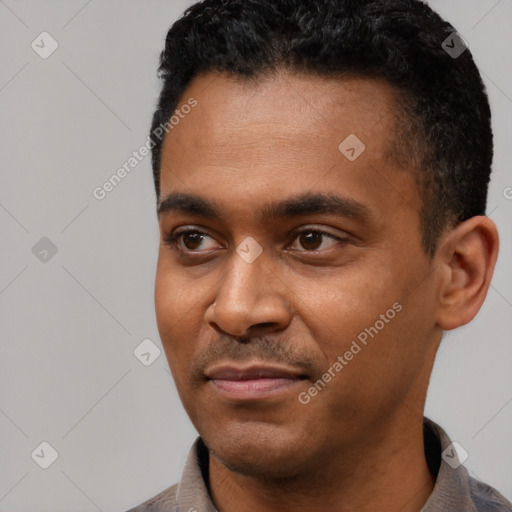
[(466, 259)]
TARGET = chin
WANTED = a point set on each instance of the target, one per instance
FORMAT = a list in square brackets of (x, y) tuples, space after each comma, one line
[(259, 450)]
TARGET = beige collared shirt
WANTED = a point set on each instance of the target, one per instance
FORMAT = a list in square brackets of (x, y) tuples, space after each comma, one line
[(454, 491)]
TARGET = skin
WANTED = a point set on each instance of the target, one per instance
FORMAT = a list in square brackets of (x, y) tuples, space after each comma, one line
[(357, 444)]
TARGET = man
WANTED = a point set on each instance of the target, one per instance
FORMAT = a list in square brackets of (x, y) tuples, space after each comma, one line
[(321, 171)]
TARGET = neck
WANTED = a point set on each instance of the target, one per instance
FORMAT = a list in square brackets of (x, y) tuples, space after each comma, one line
[(387, 471)]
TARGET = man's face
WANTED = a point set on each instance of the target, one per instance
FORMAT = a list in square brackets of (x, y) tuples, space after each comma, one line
[(301, 303)]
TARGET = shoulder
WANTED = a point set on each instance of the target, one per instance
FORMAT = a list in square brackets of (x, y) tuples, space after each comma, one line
[(487, 498), (162, 502)]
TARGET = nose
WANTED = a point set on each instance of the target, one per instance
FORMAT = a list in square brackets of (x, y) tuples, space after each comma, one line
[(250, 300)]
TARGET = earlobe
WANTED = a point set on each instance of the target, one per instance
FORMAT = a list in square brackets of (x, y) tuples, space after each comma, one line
[(466, 258)]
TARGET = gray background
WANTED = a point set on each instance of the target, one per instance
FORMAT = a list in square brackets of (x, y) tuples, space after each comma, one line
[(69, 326)]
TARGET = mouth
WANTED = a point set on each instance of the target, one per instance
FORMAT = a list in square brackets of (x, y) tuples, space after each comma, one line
[(254, 381)]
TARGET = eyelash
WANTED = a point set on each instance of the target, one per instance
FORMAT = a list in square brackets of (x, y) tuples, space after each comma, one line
[(173, 239)]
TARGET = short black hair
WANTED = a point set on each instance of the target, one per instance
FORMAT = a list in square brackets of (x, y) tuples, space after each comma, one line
[(443, 119)]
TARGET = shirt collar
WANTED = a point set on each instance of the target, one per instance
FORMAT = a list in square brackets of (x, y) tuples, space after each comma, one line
[(451, 491)]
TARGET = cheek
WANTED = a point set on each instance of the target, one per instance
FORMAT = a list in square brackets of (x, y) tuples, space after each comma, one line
[(173, 309), (359, 316), (173, 297), (339, 307), (164, 304)]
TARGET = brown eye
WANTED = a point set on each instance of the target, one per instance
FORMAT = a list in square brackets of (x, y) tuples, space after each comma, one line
[(192, 240), (186, 240), (311, 240)]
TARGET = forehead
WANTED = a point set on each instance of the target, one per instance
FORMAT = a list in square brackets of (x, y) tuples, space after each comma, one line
[(283, 134), (300, 108)]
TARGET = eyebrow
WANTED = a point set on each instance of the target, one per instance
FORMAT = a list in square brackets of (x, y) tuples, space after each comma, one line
[(304, 204)]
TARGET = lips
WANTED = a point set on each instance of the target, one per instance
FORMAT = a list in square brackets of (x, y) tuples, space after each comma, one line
[(230, 372), (255, 381)]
